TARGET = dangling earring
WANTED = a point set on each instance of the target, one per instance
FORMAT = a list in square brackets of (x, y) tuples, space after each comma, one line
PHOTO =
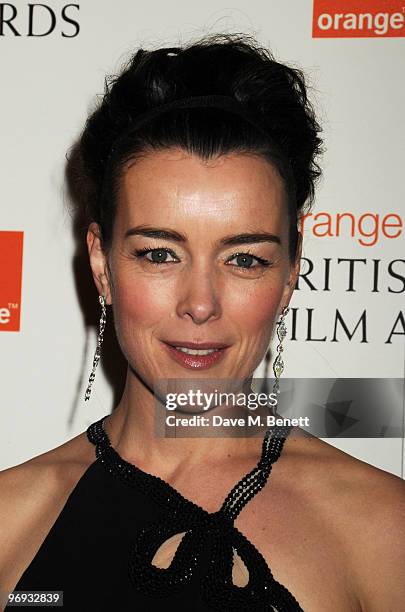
[(278, 365), (103, 318)]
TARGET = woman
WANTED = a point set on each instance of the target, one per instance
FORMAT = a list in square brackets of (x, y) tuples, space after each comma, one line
[(200, 161)]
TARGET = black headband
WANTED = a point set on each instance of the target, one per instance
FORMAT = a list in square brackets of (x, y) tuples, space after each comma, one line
[(209, 101)]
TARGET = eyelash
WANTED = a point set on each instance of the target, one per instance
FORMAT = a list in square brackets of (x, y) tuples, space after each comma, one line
[(142, 253)]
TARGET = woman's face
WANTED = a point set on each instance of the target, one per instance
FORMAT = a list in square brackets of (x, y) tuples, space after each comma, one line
[(199, 254)]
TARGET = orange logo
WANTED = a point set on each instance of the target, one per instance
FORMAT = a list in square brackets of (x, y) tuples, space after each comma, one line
[(11, 251), (358, 18)]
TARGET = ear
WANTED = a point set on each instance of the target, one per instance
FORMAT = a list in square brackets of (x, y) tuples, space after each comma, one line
[(293, 275), (98, 261)]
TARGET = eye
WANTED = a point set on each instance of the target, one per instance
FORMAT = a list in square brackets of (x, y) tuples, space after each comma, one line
[(158, 255), (245, 260)]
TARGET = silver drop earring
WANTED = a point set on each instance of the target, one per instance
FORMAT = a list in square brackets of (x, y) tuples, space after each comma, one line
[(97, 353), (278, 365)]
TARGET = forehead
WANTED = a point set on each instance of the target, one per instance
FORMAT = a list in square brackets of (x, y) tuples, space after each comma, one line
[(175, 185)]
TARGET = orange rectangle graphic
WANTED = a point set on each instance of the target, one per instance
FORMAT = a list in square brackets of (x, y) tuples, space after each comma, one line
[(358, 18), (11, 263)]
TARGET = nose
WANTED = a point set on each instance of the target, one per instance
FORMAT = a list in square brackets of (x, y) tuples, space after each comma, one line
[(199, 296)]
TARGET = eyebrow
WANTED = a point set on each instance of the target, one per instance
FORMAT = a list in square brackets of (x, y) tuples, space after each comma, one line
[(166, 234)]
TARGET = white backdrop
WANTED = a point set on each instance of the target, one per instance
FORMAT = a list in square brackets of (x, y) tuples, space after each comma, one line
[(48, 85)]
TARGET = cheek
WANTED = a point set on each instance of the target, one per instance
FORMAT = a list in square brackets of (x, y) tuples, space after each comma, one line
[(254, 310), (140, 306)]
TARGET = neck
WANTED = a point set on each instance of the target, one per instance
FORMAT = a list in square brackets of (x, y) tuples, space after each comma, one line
[(132, 429)]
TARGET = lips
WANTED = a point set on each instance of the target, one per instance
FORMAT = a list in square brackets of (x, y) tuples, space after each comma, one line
[(196, 345), (195, 361)]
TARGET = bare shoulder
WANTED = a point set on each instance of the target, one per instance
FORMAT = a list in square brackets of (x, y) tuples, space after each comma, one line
[(32, 495), (366, 507), (362, 495), (376, 535), (50, 469)]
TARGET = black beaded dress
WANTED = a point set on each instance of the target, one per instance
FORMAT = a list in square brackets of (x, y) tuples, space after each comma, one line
[(100, 548)]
